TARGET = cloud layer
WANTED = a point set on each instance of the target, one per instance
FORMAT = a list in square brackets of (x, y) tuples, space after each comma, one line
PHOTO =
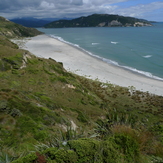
[(76, 8)]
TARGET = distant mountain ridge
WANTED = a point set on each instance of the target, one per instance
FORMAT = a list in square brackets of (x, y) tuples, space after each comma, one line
[(34, 22), (99, 20), (31, 22)]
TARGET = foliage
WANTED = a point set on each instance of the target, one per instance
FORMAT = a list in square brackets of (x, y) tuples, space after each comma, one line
[(96, 20), (61, 155), (10, 29), (63, 117), (128, 146), (27, 159), (114, 119), (86, 149)]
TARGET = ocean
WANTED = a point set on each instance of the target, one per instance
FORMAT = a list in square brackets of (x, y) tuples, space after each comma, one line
[(139, 49)]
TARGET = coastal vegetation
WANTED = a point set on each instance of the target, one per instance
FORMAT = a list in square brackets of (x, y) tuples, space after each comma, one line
[(99, 20), (11, 29), (49, 115)]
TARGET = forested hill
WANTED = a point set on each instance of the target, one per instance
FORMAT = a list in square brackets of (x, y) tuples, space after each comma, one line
[(99, 20), (11, 29)]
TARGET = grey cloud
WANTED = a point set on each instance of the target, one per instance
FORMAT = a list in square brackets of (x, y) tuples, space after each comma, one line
[(70, 8), (102, 2), (16, 4), (77, 2), (140, 10)]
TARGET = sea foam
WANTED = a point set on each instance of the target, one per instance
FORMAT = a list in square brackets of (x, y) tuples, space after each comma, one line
[(148, 74), (112, 42), (147, 56), (94, 43)]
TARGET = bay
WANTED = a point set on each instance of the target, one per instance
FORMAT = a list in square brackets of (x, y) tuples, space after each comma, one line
[(139, 49)]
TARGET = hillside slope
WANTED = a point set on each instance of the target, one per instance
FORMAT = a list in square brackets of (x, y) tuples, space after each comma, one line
[(99, 20), (50, 115), (10, 29)]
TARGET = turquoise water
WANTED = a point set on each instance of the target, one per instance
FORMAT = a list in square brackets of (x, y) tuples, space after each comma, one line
[(139, 49)]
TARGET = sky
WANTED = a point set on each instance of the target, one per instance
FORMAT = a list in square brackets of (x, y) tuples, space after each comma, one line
[(145, 9)]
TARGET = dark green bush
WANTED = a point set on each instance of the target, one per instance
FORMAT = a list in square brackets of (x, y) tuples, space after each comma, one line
[(86, 149), (110, 152), (127, 146), (27, 159), (65, 156), (50, 153), (40, 135)]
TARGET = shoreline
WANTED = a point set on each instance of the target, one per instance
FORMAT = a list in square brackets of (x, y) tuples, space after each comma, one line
[(82, 63), (130, 69)]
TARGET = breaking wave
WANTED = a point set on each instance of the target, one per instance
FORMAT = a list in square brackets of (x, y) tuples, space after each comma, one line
[(148, 74), (147, 56), (112, 42), (94, 43)]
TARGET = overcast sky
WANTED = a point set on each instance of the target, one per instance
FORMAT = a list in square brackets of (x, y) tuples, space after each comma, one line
[(146, 9)]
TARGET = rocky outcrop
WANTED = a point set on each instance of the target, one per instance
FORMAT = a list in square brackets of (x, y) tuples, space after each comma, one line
[(114, 23), (141, 24), (102, 24)]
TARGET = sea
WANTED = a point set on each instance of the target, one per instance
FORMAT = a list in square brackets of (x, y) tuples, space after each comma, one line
[(138, 49)]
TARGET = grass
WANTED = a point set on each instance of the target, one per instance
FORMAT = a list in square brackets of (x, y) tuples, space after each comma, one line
[(10, 29), (39, 102)]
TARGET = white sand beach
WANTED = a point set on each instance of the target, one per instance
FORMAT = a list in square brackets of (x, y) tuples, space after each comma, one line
[(77, 61)]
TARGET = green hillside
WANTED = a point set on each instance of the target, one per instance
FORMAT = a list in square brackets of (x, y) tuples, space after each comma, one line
[(10, 29), (48, 115), (99, 20)]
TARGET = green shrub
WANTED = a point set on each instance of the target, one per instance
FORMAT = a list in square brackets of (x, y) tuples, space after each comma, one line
[(86, 149), (110, 152), (65, 156), (41, 135), (27, 125), (27, 159), (50, 152), (127, 146), (60, 155)]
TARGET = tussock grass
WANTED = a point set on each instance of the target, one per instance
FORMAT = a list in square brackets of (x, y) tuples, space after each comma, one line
[(42, 98)]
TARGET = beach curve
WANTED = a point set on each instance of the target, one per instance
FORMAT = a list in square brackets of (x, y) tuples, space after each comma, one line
[(81, 63)]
